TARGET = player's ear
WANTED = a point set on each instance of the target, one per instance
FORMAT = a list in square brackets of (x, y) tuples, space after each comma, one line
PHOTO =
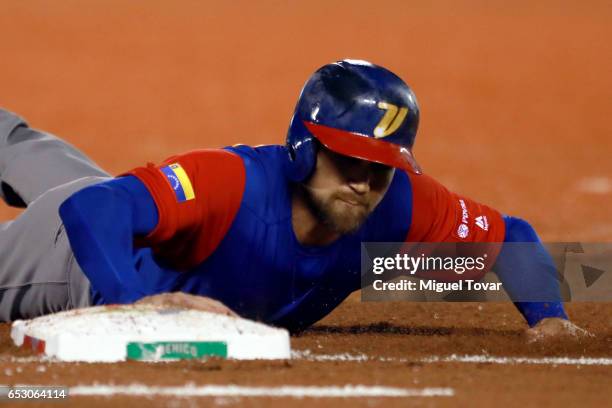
[(316, 149), (317, 146)]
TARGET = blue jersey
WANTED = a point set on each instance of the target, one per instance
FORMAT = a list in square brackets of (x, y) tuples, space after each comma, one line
[(218, 223), (261, 258)]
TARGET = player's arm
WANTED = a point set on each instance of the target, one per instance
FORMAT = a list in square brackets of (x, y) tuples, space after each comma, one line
[(181, 210), (101, 222), (528, 273), (530, 278)]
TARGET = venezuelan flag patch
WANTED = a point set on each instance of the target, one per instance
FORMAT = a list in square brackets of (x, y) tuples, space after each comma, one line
[(179, 181)]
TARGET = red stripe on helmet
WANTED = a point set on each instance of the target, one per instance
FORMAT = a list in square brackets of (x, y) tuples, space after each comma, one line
[(364, 147)]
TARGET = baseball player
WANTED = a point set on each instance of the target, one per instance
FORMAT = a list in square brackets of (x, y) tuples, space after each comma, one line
[(271, 232)]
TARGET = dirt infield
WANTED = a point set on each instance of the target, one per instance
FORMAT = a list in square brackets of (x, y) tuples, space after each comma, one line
[(515, 104), (382, 344)]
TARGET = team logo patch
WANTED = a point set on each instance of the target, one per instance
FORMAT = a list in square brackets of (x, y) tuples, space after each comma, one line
[(179, 181), (391, 121)]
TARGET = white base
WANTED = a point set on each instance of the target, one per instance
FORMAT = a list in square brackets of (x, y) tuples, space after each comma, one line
[(101, 334)]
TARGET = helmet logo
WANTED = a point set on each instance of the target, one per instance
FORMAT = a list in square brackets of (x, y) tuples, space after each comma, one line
[(391, 121)]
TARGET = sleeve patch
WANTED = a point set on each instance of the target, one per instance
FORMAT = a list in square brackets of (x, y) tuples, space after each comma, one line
[(179, 182)]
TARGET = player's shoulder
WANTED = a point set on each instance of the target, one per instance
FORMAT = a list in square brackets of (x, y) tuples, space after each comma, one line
[(260, 163), (425, 187), (266, 158), (267, 185), (263, 164)]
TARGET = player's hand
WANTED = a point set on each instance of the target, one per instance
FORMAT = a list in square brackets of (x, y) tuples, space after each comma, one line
[(553, 329), (180, 300)]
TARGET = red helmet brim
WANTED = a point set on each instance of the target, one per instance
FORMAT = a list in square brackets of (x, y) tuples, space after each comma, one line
[(364, 147)]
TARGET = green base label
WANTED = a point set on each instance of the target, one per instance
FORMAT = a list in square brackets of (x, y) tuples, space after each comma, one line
[(176, 350)]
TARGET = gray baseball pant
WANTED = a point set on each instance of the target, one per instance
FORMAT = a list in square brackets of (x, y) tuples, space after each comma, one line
[(38, 272)]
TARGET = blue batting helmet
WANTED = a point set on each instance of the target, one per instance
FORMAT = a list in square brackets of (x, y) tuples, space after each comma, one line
[(357, 109)]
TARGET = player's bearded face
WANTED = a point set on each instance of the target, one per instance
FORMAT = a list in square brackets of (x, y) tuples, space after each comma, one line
[(343, 191)]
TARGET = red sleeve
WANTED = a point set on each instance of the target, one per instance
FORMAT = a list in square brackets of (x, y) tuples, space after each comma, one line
[(197, 196), (439, 215)]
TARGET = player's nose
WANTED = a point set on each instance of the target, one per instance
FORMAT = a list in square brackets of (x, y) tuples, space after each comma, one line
[(360, 177), (360, 188)]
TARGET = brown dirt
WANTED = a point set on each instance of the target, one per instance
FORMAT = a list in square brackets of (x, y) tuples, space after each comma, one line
[(401, 333), (515, 104)]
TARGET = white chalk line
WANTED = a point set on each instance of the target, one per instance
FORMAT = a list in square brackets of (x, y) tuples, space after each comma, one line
[(346, 391), (308, 355), (590, 361), (454, 358)]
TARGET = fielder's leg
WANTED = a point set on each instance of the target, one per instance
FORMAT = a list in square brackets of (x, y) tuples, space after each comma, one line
[(38, 273), (32, 162)]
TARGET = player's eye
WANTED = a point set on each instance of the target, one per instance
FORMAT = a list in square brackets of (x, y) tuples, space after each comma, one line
[(380, 169)]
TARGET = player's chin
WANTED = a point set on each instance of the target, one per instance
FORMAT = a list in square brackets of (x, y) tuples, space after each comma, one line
[(348, 218)]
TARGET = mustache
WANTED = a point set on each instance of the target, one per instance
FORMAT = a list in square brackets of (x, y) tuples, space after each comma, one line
[(344, 196), (353, 199)]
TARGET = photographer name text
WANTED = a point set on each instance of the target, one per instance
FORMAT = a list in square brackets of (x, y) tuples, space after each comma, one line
[(435, 286)]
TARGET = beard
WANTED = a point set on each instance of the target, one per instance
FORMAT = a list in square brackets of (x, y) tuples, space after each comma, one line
[(335, 212)]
